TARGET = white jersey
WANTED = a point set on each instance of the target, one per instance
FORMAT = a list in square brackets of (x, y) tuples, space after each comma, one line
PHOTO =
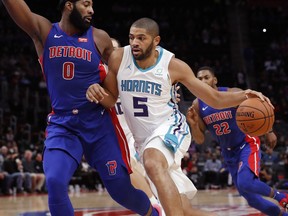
[(150, 107)]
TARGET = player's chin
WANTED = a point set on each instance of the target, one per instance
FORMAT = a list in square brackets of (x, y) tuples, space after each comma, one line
[(87, 24)]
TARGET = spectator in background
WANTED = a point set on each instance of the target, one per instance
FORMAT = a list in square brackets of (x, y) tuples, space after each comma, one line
[(267, 175), (270, 157), (4, 176), (212, 171), (38, 167), (87, 176), (38, 179), (11, 166)]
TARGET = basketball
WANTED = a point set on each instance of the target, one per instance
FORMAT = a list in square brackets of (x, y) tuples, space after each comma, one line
[(255, 117)]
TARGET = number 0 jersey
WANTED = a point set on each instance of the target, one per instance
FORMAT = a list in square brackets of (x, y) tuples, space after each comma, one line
[(148, 101), (67, 87)]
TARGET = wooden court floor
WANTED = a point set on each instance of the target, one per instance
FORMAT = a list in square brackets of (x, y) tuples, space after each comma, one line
[(223, 202)]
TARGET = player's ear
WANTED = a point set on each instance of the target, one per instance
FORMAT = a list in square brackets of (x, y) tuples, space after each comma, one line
[(215, 80), (69, 5), (157, 40)]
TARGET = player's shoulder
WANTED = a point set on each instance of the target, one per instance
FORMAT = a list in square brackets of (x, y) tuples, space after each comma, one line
[(103, 43), (117, 54), (115, 59), (180, 71), (101, 36), (99, 32)]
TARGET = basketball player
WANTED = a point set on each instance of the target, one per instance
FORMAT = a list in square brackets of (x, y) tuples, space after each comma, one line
[(241, 152), (69, 52), (143, 75), (137, 177)]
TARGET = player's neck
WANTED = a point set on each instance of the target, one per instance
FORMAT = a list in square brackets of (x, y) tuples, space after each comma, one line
[(149, 61), (67, 27)]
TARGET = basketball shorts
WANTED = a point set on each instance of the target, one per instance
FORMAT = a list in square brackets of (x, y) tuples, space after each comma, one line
[(182, 182), (92, 134)]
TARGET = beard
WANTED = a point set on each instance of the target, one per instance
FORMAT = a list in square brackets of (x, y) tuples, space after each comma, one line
[(145, 54), (78, 21)]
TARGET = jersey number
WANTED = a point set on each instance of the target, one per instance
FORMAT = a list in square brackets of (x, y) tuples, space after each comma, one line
[(68, 70), (222, 128), (139, 103)]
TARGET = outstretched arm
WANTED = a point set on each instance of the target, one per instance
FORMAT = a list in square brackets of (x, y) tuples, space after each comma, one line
[(181, 72), (36, 26)]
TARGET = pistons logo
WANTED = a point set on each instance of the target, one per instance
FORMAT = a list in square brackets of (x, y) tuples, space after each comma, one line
[(111, 165)]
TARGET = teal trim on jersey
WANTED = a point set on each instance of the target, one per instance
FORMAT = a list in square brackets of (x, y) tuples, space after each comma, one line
[(160, 50), (187, 129), (171, 141), (177, 132), (136, 155)]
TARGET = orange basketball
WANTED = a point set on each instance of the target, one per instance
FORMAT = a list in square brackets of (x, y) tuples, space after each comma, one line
[(255, 117)]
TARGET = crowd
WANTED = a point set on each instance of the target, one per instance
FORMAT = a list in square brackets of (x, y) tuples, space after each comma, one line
[(200, 37)]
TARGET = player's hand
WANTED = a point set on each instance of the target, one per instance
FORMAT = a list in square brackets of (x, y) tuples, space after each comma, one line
[(192, 116), (176, 96), (251, 93), (271, 139), (95, 93), (178, 99)]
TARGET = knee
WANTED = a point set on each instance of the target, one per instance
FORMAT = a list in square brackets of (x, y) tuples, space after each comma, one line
[(152, 168), (119, 189), (56, 183)]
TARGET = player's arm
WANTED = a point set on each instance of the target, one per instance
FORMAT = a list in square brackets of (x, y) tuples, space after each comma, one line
[(107, 94), (181, 72), (103, 43), (196, 123), (36, 26), (110, 82)]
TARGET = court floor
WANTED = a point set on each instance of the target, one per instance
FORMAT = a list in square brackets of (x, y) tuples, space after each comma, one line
[(223, 202)]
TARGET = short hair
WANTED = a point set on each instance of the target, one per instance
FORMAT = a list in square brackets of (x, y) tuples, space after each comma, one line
[(61, 4), (149, 24), (207, 68)]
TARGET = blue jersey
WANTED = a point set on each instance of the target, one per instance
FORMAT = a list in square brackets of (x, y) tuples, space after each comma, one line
[(222, 124), (70, 65), (67, 87), (238, 149)]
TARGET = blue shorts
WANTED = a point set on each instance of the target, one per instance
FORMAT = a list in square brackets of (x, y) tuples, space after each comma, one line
[(247, 154), (95, 134)]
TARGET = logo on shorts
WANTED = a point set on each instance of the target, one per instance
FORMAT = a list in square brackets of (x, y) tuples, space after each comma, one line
[(111, 165)]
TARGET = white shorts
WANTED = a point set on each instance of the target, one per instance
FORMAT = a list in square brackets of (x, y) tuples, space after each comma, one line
[(183, 183)]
